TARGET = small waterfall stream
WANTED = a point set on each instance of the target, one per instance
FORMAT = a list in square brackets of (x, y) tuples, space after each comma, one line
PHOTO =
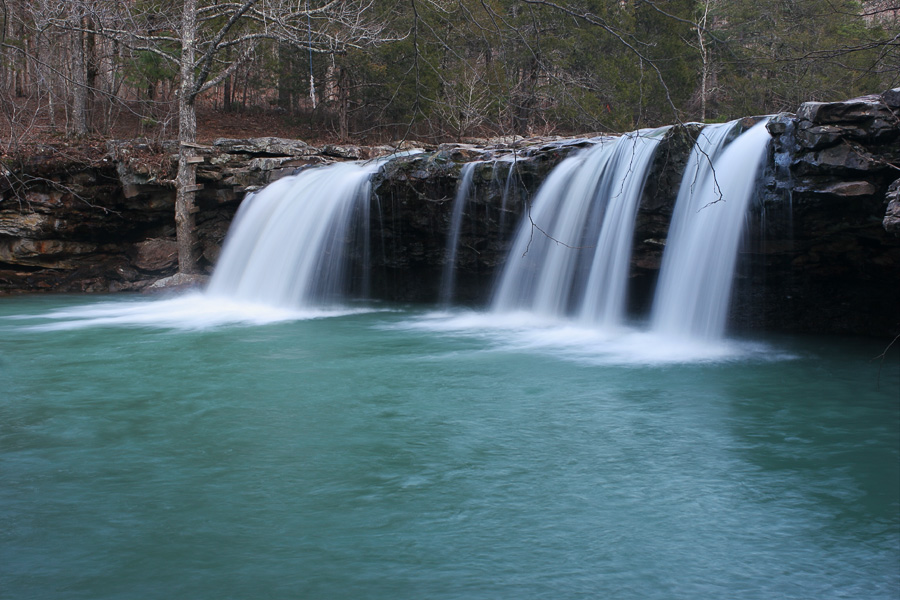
[(695, 280), (464, 188), (287, 245), (572, 250)]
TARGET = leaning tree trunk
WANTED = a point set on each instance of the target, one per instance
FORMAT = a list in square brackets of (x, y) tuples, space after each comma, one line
[(186, 181)]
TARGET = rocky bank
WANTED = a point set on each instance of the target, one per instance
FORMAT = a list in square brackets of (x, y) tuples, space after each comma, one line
[(821, 254)]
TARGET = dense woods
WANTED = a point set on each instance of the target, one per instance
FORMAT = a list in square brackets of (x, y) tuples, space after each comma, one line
[(378, 70)]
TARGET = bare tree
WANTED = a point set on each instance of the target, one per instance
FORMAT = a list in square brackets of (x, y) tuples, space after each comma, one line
[(703, 48), (206, 41)]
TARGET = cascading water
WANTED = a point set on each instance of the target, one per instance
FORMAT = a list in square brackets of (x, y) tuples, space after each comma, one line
[(292, 243), (459, 204), (571, 253), (288, 243), (510, 188), (694, 288)]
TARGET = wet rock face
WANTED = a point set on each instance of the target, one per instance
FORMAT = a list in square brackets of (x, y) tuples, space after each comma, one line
[(823, 253), (413, 208), (655, 212), (66, 226)]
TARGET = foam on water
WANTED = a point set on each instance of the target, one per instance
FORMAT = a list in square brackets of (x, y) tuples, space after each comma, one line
[(523, 331), (193, 311)]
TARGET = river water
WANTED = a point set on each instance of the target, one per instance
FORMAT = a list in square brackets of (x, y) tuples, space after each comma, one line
[(187, 449)]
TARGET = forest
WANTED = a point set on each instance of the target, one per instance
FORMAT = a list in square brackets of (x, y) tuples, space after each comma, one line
[(371, 71)]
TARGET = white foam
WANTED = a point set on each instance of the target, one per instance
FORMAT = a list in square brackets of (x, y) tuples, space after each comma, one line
[(193, 311), (622, 345)]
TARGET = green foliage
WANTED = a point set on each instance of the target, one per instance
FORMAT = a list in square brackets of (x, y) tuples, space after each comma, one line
[(147, 68), (776, 54)]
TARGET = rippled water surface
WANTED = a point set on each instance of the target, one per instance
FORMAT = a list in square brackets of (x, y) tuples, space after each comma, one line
[(180, 449)]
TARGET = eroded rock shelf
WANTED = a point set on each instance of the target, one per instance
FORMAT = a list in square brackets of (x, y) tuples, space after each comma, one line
[(822, 250)]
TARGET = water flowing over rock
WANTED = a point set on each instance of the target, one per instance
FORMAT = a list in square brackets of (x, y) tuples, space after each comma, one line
[(820, 250), (289, 242), (695, 281), (572, 252), (459, 205), (412, 214)]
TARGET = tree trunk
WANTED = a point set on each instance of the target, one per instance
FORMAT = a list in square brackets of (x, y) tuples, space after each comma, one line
[(92, 73), (286, 78), (704, 58), (186, 181), (20, 65), (344, 96), (229, 84), (79, 81)]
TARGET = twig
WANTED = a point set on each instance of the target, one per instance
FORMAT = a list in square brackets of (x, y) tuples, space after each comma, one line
[(882, 357)]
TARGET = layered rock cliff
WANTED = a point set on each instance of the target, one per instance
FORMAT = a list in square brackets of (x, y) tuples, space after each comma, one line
[(107, 224), (822, 249)]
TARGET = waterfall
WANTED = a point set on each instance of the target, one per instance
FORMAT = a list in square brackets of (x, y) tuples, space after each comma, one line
[(509, 187), (304, 241), (464, 187), (288, 245), (694, 288), (572, 250)]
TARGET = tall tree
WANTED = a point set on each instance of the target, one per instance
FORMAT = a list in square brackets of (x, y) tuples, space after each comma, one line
[(207, 41)]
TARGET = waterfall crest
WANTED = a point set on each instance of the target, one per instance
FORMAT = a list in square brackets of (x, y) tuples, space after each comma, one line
[(571, 252), (288, 243), (694, 288)]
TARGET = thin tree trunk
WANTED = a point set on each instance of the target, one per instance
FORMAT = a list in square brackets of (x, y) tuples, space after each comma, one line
[(286, 77), (186, 181), (704, 58), (246, 83), (229, 85), (79, 81), (21, 62), (92, 73), (344, 95)]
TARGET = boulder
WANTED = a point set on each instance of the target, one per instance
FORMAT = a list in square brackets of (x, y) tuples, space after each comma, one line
[(347, 152), (892, 98), (815, 137), (271, 146), (780, 124), (178, 282), (845, 189), (848, 111), (841, 159), (155, 254)]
